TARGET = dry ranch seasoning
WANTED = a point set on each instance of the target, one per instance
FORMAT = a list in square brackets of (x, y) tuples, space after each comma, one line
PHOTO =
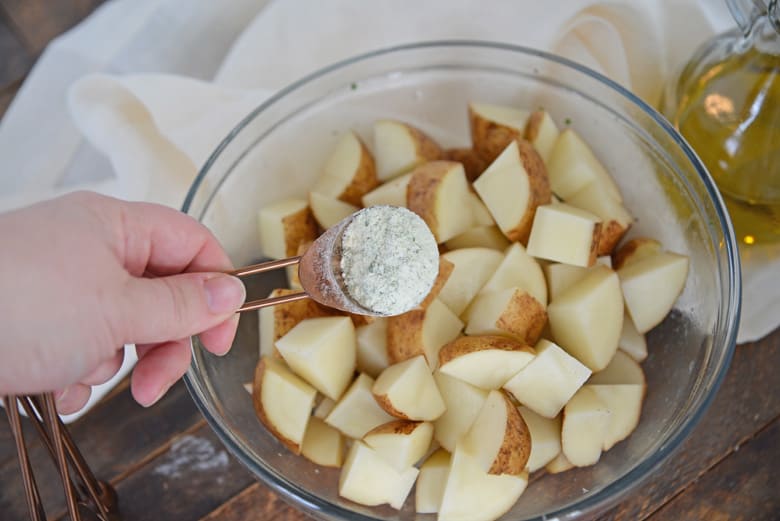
[(389, 259)]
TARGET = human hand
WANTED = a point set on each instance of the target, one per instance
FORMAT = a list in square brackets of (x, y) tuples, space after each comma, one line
[(84, 274)]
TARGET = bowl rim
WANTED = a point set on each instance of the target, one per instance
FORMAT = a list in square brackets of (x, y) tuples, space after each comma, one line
[(612, 493)]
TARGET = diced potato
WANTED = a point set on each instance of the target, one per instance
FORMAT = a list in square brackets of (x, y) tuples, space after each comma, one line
[(328, 211), (421, 332), (479, 212), (322, 444), (276, 321), (512, 312), (400, 147), (438, 192), (625, 406), (471, 494), (392, 193), (587, 318), (349, 172), (473, 268), (323, 352), (518, 270), (542, 132), (635, 249), (283, 402), (472, 162), (651, 286), (431, 482), (493, 127), (604, 260), (585, 425), (632, 342), (573, 165), (558, 464), (408, 391), (499, 439), (479, 237), (615, 218), (402, 443), (463, 402), (563, 233), (283, 226), (512, 188), (322, 410), (487, 362), (366, 478), (545, 438), (561, 277), (549, 380), (622, 370), (372, 356), (357, 412)]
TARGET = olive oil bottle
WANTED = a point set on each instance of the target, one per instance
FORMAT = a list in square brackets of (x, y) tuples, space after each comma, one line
[(726, 103)]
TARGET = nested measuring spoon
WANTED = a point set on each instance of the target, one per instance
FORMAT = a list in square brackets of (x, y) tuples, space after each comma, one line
[(379, 261)]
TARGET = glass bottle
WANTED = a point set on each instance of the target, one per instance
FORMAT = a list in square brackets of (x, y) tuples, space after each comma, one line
[(726, 103)]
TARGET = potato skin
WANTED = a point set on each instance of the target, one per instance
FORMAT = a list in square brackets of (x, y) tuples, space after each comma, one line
[(611, 233), (471, 344), (257, 386), (289, 314), (299, 228), (385, 403), (533, 125), (427, 148), (421, 192), (473, 163), (404, 427), (363, 181), (524, 318), (445, 270), (490, 138), (515, 450), (404, 335)]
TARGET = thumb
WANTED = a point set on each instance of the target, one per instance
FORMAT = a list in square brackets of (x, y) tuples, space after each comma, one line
[(178, 306)]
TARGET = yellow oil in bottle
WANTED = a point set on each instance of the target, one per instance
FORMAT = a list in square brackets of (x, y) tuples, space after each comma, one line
[(730, 115)]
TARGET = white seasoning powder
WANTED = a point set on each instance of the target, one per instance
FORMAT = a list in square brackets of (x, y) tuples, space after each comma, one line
[(389, 259)]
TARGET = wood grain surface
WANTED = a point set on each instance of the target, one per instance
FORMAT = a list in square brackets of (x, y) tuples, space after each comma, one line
[(167, 464)]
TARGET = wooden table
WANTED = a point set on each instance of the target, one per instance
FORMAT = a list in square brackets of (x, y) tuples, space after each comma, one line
[(166, 463)]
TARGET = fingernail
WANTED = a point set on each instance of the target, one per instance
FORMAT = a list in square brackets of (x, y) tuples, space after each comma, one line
[(59, 396), (224, 294), (161, 394)]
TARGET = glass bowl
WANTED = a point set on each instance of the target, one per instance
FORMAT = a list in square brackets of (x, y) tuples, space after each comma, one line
[(277, 152)]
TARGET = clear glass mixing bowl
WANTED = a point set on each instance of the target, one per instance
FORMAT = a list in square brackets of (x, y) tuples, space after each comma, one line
[(277, 152)]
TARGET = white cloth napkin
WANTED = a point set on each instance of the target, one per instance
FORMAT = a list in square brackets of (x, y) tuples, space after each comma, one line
[(133, 100)]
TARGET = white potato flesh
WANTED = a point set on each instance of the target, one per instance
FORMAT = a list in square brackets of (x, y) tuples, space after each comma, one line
[(598, 201), (473, 268), (392, 193), (479, 237), (558, 464), (286, 402), (563, 233), (544, 136), (323, 352), (561, 277), (341, 167), (403, 448), (446, 202), (573, 165), (471, 494), (322, 410), (518, 270), (503, 115), (604, 260), (632, 342), (622, 370), (545, 438), (397, 148), (357, 412), (431, 482), (328, 210), (549, 380), (510, 312), (625, 406), (371, 339), (488, 368), (587, 318), (651, 286), (479, 213), (270, 223), (505, 188), (366, 478), (409, 391), (463, 402), (440, 326), (585, 425), (322, 444), (486, 438)]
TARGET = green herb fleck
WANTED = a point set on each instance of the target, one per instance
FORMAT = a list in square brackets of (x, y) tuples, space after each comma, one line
[(567, 121), (353, 86)]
